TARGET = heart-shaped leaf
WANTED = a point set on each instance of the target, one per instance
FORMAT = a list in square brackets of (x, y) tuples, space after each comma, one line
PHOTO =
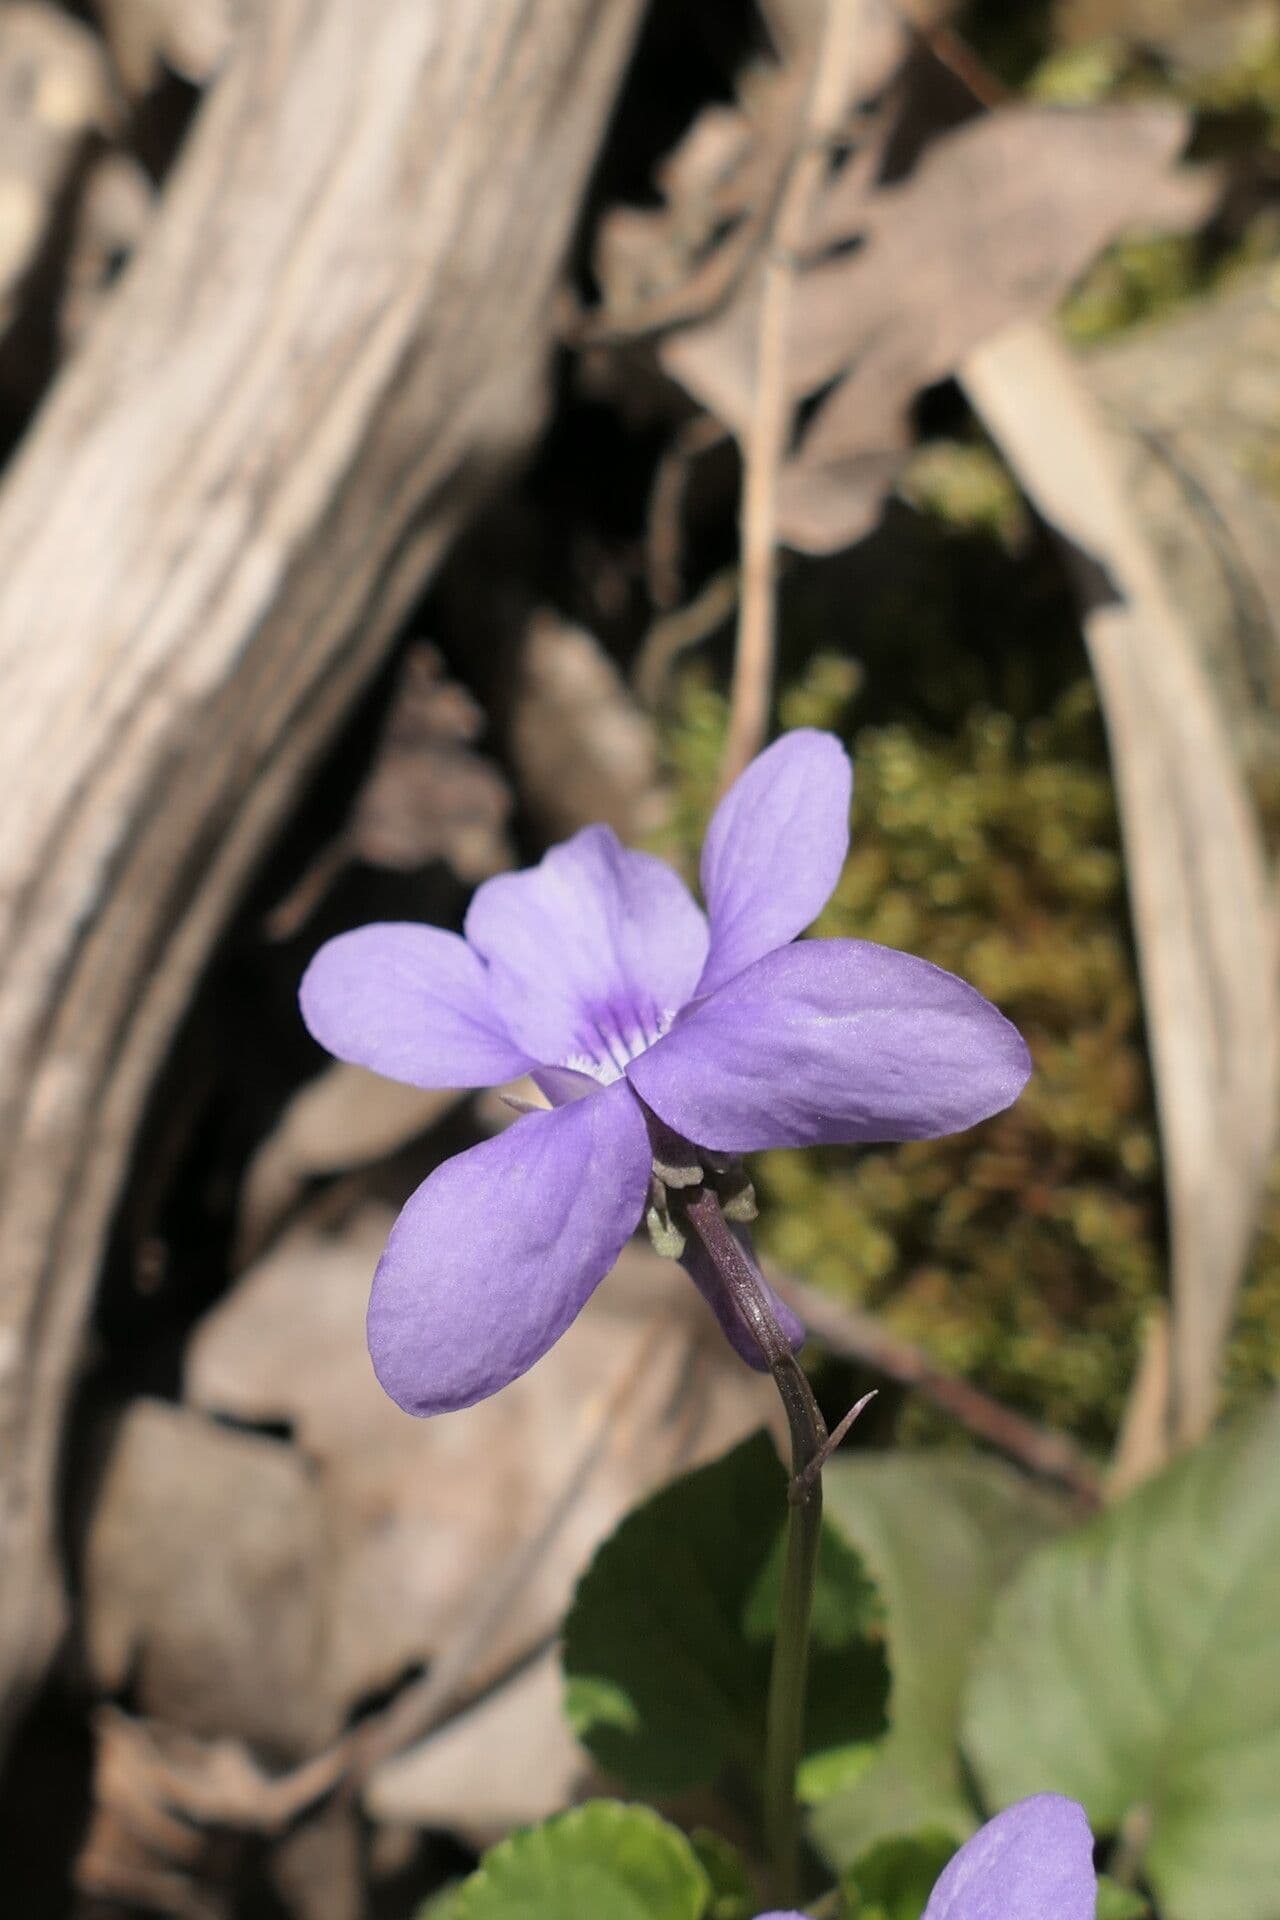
[(603, 1861), (1133, 1665)]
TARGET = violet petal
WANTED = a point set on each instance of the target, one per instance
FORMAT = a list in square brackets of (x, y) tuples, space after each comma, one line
[(774, 850), (1034, 1861), (705, 1275), (499, 1250), (410, 1002), (591, 952), (830, 1042)]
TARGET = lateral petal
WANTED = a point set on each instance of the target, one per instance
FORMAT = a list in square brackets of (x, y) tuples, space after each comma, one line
[(833, 1042), (411, 1002)]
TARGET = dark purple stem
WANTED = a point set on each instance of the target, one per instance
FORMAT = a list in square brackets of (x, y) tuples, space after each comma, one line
[(784, 1737), (808, 1428)]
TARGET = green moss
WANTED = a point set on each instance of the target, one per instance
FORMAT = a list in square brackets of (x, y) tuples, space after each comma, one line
[(1138, 279), (965, 484), (1235, 114), (1026, 1252)]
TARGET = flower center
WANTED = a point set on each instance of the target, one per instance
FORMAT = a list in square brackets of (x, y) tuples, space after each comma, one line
[(610, 1036)]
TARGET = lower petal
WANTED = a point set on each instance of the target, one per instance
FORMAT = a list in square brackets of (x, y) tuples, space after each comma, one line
[(833, 1042), (1034, 1861), (705, 1275), (498, 1251)]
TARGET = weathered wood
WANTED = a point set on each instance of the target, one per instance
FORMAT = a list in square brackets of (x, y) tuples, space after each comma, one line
[(336, 328)]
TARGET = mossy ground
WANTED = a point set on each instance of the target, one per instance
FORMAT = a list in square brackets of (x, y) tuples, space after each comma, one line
[(1027, 1253)]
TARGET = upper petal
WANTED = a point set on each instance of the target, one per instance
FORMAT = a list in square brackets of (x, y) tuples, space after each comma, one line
[(411, 1002), (591, 952), (1034, 1861), (774, 850), (833, 1042), (499, 1250)]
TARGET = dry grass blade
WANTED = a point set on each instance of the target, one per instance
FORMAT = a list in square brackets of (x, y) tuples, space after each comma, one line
[(1143, 1442), (834, 80), (1197, 879)]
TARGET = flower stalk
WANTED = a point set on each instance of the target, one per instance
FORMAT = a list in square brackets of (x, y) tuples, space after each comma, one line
[(784, 1733)]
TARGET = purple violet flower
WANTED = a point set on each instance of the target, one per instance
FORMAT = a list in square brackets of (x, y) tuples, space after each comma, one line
[(1034, 1861), (597, 973)]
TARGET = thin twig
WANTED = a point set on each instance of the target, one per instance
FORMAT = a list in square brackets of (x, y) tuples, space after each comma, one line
[(664, 539), (772, 409), (859, 1336), (954, 53), (675, 633)]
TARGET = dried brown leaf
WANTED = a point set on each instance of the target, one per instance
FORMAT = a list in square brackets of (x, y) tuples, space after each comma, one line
[(204, 1580), (658, 266), (509, 1762), (428, 795), (584, 750), (1197, 880), (995, 222), (345, 1118), (317, 1868), (163, 1802), (421, 1513)]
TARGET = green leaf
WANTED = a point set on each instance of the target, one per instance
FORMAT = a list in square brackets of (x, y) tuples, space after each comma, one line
[(893, 1879), (666, 1648), (731, 1895), (1120, 1903), (939, 1535), (846, 1605), (833, 1770), (1134, 1666), (442, 1905), (603, 1861)]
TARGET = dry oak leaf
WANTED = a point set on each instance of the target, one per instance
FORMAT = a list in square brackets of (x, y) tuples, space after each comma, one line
[(583, 748), (422, 1512), (508, 1762), (994, 223), (429, 795), (204, 1582)]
